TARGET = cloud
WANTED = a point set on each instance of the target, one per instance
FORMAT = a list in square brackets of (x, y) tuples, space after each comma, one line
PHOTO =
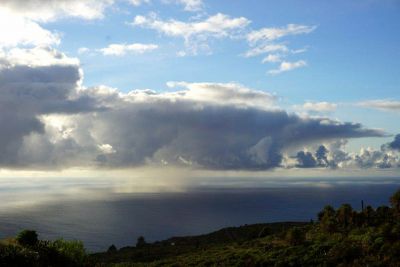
[(50, 10), (189, 5), (35, 57), (306, 160), (83, 50), (288, 66), (381, 104), (196, 33), (396, 143), (53, 122), (34, 83), (21, 20), (317, 107), (159, 128), (222, 94), (272, 34), (272, 58), (139, 2), (17, 30), (334, 156), (122, 49), (266, 49), (264, 41)]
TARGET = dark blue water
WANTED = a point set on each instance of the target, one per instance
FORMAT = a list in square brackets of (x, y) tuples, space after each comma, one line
[(120, 218)]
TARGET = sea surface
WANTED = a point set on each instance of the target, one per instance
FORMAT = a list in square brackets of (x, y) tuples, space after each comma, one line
[(99, 215)]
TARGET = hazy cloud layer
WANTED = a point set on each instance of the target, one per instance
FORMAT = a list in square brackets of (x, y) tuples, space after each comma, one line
[(195, 33), (382, 104), (189, 5), (265, 42)]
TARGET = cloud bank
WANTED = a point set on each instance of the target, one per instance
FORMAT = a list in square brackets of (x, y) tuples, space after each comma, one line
[(54, 122), (334, 156)]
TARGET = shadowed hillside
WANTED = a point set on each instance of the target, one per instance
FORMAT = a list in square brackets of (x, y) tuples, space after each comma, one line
[(340, 237)]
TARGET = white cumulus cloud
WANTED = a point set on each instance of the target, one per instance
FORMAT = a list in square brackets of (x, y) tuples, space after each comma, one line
[(122, 49), (288, 66)]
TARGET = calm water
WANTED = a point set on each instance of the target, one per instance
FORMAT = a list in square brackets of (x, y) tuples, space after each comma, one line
[(119, 218)]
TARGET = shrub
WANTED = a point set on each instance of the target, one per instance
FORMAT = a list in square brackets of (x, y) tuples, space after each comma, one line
[(112, 249), (27, 238), (12, 255), (141, 242), (74, 250), (295, 236)]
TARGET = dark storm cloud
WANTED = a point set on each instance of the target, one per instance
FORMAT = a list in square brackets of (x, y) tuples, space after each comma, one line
[(212, 136), (48, 121), (336, 156), (306, 160), (26, 93), (396, 143)]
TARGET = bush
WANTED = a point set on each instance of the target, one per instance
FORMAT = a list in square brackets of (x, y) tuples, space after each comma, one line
[(12, 255), (27, 238), (141, 242), (112, 249), (74, 250), (295, 236)]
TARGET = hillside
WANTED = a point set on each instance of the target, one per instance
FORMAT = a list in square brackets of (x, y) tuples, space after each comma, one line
[(340, 237)]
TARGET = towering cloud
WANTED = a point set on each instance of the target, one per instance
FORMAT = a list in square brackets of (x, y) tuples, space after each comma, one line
[(334, 157), (396, 143), (51, 121)]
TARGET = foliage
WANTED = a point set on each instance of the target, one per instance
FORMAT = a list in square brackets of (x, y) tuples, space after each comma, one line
[(29, 251), (341, 237), (73, 250), (112, 249), (295, 236), (27, 238), (141, 242)]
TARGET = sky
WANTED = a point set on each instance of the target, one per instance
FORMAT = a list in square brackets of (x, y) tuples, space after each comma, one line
[(292, 87)]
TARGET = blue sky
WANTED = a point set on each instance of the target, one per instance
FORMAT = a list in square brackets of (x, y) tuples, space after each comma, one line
[(335, 60), (351, 56)]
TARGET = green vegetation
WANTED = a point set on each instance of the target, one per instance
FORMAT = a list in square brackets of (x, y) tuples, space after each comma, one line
[(27, 250), (340, 237)]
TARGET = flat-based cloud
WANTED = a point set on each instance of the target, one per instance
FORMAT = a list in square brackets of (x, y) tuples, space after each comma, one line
[(53, 122)]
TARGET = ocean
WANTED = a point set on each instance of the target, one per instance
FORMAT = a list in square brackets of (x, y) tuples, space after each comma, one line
[(90, 211)]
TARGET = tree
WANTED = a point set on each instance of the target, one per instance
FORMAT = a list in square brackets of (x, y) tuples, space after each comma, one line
[(369, 214), (112, 249), (395, 202), (327, 219), (295, 236), (344, 215), (27, 238), (328, 211), (141, 242)]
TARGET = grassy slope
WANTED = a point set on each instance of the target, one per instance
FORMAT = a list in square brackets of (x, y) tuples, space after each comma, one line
[(218, 244)]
